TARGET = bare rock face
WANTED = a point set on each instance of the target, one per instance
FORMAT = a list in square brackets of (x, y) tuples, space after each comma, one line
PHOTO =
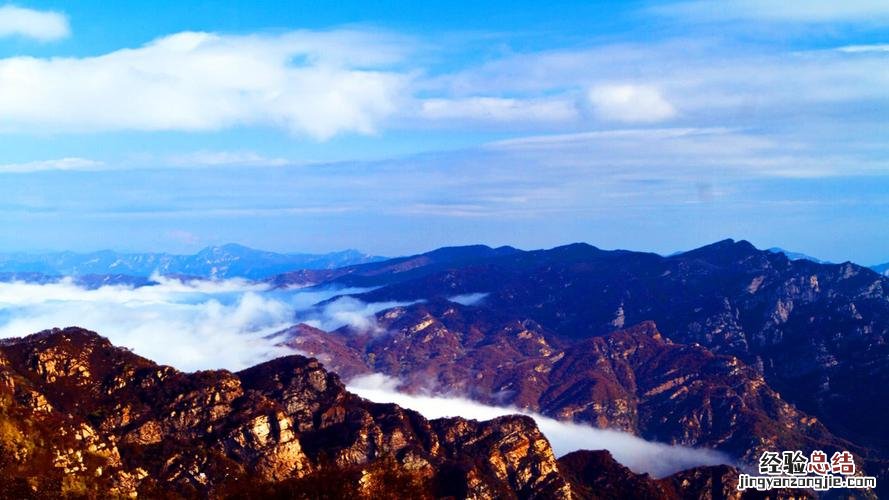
[(633, 379), (81, 417)]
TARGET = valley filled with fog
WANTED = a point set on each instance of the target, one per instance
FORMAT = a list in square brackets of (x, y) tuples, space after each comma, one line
[(235, 324), (191, 325)]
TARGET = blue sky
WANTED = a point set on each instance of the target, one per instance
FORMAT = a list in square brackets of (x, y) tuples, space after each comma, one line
[(396, 127)]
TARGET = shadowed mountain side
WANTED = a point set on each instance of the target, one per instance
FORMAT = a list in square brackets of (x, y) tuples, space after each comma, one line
[(633, 380), (818, 333)]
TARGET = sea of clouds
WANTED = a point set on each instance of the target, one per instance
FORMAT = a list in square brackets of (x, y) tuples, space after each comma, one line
[(233, 324), (191, 325)]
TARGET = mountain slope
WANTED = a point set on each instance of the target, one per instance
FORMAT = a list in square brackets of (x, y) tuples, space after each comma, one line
[(634, 379), (385, 272), (818, 334), (82, 418)]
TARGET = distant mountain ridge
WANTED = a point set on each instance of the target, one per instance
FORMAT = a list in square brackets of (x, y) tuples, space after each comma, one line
[(881, 268), (216, 262), (797, 255)]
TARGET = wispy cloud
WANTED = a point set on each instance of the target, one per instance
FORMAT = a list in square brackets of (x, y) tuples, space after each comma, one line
[(853, 49), (695, 81), (498, 109), (809, 11), (359, 316), (674, 154), (58, 164), (469, 299), (40, 25), (225, 159)]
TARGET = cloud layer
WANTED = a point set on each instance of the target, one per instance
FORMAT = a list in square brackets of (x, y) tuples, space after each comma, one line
[(347, 311), (641, 456), (231, 324), (190, 325), (311, 83), (194, 325)]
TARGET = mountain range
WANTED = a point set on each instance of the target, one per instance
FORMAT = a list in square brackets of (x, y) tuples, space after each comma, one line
[(217, 262), (80, 418), (726, 347)]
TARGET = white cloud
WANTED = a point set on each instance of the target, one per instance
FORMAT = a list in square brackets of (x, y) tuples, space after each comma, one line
[(191, 325), (710, 83), (468, 299), (852, 49), (351, 312), (196, 159), (806, 11), (636, 134), (314, 83), (72, 163), (36, 24), (630, 103), (226, 158), (496, 109), (641, 456)]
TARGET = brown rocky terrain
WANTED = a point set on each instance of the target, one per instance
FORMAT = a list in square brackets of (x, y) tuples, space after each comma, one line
[(634, 379), (80, 418)]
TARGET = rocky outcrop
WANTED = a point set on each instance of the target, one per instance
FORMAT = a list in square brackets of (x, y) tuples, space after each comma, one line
[(81, 417)]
